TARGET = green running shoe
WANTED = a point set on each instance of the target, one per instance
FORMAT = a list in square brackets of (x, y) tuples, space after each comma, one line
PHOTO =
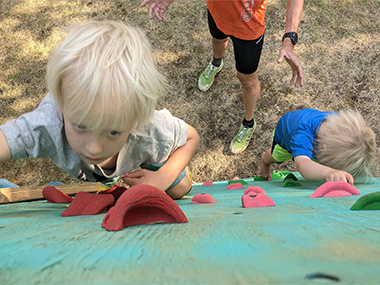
[(242, 139), (207, 77)]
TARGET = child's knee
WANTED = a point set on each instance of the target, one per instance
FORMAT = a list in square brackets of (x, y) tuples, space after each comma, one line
[(182, 188)]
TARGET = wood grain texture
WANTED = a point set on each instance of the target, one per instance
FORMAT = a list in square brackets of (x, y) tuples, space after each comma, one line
[(222, 243), (19, 194)]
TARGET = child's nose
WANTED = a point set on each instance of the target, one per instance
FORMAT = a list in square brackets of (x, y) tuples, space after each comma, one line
[(94, 145)]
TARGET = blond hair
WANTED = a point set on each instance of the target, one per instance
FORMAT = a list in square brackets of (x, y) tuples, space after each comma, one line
[(105, 74), (345, 142)]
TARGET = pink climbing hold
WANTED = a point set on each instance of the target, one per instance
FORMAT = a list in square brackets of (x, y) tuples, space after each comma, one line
[(235, 178), (234, 186), (254, 190), (208, 183), (85, 203), (335, 189), (53, 195), (256, 201), (202, 198), (142, 204)]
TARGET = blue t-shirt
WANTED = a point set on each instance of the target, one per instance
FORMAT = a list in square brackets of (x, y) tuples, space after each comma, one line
[(296, 131)]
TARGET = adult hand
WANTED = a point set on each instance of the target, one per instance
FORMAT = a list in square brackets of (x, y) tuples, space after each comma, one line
[(287, 52), (157, 6)]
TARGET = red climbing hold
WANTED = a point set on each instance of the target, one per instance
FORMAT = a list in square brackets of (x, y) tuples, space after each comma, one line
[(142, 204), (85, 203), (53, 195)]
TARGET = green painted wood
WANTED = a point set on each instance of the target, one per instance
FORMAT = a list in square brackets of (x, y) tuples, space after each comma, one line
[(223, 243)]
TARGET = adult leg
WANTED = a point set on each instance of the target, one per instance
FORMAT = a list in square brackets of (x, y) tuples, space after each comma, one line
[(251, 92), (247, 57), (219, 45), (219, 39)]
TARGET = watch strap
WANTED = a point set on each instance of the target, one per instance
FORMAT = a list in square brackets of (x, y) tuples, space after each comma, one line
[(293, 37)]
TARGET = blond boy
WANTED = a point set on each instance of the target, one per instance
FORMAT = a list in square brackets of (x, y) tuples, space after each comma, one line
[(98, 121), (324, 145)]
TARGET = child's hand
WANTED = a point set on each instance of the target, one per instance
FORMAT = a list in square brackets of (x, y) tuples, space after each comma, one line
[(312, 170), (336, 175), (143, 176)]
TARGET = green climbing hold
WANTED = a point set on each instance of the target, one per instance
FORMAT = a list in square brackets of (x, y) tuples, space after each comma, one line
[(258, 178), (276, 175), (243, 182), (368, 202), (291, 180)]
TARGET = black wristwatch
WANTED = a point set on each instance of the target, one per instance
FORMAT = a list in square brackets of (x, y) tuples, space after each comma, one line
[(292, 36)]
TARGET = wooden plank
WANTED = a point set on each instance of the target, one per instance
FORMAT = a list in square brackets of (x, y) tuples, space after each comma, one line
[(20, 194)]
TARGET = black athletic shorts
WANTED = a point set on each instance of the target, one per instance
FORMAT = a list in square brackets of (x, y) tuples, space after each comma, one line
[(247, 53)]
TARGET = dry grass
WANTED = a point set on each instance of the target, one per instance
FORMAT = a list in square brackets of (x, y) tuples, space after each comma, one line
[(339, 48)]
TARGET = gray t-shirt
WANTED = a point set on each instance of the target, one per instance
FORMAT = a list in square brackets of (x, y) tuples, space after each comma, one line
[(40, 133)]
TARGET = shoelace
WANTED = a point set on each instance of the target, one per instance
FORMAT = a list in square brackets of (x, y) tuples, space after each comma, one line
[(244, 133), (209, 69)]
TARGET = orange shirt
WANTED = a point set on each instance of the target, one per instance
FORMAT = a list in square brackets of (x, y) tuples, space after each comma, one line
[(243, 19)]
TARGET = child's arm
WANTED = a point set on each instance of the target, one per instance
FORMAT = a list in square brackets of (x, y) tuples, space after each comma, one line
[(312, 170), (266, 161), (5, 153), (174, 165)]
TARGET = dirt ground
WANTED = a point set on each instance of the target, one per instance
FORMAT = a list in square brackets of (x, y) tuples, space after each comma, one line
[(339, 48)]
